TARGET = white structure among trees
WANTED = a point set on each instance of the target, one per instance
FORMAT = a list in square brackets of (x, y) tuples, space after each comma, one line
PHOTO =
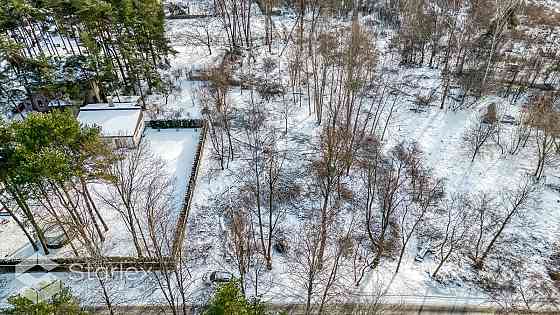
[(121, 124)]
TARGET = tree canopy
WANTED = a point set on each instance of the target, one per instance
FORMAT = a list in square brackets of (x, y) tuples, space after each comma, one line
[(61, 303), (229, 299), (50, 158), (62, 48)]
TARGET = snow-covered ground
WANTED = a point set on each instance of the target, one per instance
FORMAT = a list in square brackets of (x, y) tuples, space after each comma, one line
[(177, 148), (439, 134), (11, 236)]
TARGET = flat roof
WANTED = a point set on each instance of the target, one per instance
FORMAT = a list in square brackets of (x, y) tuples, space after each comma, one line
[(113, 121), (106, 106)]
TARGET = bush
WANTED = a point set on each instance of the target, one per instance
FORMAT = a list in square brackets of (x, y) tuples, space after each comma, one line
[(229, 300), (61, 303), (282, 246)]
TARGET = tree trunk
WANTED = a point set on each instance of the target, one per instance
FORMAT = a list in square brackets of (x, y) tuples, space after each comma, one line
[(21, 226), (20, 200)]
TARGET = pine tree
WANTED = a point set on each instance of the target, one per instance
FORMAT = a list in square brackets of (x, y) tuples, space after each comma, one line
[(121, 43), (229, 299)]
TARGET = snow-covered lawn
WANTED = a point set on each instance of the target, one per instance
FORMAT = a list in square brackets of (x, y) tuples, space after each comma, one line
[(177, 147), (11, 238)]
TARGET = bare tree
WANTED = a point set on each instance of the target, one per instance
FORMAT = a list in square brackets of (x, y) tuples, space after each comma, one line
[(453, 233), (243, 245), (217, 111), (235, 17), (334, 288), (198, 33), (135, 172), (513, 203), (326, 173), (503, 17), (545, 121), (484, 206), (305, 269), (171, 272), (143, 193), (65, 206), (265, 187), (372, 301), (413, 214), (369, 162), (522, 291), (519, 136), (478, 134), (391, 196), (105, 278)]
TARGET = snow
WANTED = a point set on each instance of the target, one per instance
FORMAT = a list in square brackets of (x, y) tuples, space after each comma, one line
[(121, 120), (439, 133), (114, 106), (177, 147), (60, 103), (200, 7), (12, 239)]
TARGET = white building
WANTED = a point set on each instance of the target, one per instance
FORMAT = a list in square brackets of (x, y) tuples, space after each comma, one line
[(121, 124)]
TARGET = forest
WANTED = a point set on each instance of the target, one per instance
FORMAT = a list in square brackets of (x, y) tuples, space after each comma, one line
[(80, 49)]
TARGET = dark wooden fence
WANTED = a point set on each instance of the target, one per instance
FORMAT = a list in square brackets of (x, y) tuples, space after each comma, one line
[(176, 124), (85, 264), (182, 221)]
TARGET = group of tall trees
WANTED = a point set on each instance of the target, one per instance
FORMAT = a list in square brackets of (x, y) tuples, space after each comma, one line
[(471, 43), (50, 167), (48, 160), (80, 50)]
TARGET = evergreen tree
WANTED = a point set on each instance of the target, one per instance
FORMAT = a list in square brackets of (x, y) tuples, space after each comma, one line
[(50, 158), (229, 300), (118, 45)]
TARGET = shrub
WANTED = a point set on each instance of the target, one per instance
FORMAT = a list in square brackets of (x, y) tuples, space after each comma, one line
[(61, 303), (229, 300)]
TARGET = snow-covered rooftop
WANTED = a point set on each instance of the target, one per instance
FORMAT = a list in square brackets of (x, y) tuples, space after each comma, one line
[(121, 119), (107, 106)]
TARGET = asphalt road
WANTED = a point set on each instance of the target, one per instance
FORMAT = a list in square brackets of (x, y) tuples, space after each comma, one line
[(339, 310)]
